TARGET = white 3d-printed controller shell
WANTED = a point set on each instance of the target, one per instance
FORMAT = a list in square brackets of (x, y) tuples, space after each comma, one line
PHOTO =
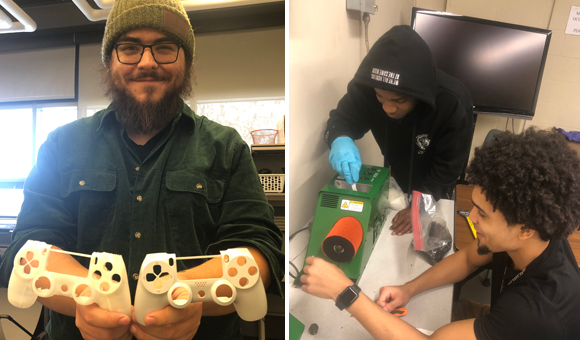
[(107, 280), (158, 280)]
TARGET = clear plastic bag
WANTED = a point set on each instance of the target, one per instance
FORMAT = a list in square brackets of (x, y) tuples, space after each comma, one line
[(431, 236), (397, 198)]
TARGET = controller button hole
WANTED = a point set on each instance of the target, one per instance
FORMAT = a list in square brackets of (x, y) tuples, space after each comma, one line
[(232, 272), (105, 287), (252, 270)]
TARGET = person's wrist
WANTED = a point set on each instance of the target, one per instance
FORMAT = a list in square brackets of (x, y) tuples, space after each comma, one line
[(340, 140), (340, 288), (348, 296), (409, 288)]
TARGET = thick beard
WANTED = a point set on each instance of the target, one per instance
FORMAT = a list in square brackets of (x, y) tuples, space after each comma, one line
[(482, 250), (148, 116)]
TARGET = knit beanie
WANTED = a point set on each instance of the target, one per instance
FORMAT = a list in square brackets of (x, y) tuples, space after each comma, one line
[(167, 16)]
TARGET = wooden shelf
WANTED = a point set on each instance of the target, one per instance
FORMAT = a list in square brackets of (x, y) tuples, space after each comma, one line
[(280, 222), (275, 196), (276, 199), (268, 147)]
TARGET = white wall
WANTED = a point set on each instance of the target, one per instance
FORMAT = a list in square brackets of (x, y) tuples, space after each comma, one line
[(326, 47), (229, 65), (558, 104)]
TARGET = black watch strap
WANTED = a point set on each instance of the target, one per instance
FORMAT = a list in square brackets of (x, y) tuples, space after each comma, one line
[(347, 297)]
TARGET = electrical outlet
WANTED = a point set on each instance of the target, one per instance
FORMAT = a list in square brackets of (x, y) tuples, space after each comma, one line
[(365, 6)]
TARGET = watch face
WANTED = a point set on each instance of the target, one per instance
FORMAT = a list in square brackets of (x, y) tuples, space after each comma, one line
[(348, 296)]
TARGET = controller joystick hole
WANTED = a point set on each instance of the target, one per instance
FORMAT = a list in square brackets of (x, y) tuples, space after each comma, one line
[(83, 292), (180, 296), (224, 293), (232, 272), (43, 283)]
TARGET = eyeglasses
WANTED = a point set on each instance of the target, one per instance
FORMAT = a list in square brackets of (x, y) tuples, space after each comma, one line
[(163, 53)]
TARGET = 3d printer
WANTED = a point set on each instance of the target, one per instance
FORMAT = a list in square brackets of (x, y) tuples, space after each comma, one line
[(347, 223)]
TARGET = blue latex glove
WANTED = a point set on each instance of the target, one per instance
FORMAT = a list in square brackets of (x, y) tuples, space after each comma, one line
[(345, 159)]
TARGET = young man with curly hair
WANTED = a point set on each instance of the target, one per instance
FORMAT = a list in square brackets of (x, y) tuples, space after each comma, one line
[(527, 202)]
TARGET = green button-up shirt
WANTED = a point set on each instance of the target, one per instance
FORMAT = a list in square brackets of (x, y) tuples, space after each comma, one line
[(196, 193)]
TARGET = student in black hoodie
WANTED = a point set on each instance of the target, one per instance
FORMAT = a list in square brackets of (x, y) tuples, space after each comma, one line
[(527, 203), (420, 117)]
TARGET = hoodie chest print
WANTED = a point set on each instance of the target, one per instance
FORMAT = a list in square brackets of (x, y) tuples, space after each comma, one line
[(385, 76), (422, 143)]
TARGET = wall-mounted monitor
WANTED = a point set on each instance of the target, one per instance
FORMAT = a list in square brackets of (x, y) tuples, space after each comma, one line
[(500, 64)]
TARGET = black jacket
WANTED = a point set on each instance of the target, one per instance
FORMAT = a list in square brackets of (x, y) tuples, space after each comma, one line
[(434, 139)]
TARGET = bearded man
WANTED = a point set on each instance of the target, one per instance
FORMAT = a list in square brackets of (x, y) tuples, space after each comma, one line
[(146, 175)]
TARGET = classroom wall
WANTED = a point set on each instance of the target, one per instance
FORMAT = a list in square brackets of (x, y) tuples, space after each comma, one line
[(326, 46), (229, 65), (558, 104)]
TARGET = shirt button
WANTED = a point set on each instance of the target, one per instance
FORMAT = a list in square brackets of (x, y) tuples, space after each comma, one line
[(139, 198), (137, 235), (135, 276), (137, 169), (81, 183), (199, 186)]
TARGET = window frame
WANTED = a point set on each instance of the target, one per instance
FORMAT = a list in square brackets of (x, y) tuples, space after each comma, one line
[(18, 183)]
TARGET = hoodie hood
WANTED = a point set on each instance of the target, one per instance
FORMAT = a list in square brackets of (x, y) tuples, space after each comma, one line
[(400, 61)]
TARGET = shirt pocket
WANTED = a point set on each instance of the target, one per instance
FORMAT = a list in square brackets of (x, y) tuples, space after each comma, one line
[(192, 207), (92, 198)]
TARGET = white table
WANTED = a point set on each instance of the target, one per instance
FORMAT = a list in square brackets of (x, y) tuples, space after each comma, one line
[(393, 262)]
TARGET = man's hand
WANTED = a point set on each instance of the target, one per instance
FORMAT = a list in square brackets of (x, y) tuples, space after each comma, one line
[(393, 297), (402, 222), (95, 323), (345, 159), (169, 323), (323, 279)]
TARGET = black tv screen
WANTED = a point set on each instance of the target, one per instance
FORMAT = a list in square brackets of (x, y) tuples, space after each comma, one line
[(500, 64)]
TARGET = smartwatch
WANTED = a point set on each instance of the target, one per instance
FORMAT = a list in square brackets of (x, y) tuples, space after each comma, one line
[(347, 297)]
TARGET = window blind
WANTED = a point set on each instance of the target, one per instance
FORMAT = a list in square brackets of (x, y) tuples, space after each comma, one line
[(47, 74)]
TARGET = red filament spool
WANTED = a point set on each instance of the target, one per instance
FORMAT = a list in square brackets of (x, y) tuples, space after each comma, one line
[(343, 240)]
